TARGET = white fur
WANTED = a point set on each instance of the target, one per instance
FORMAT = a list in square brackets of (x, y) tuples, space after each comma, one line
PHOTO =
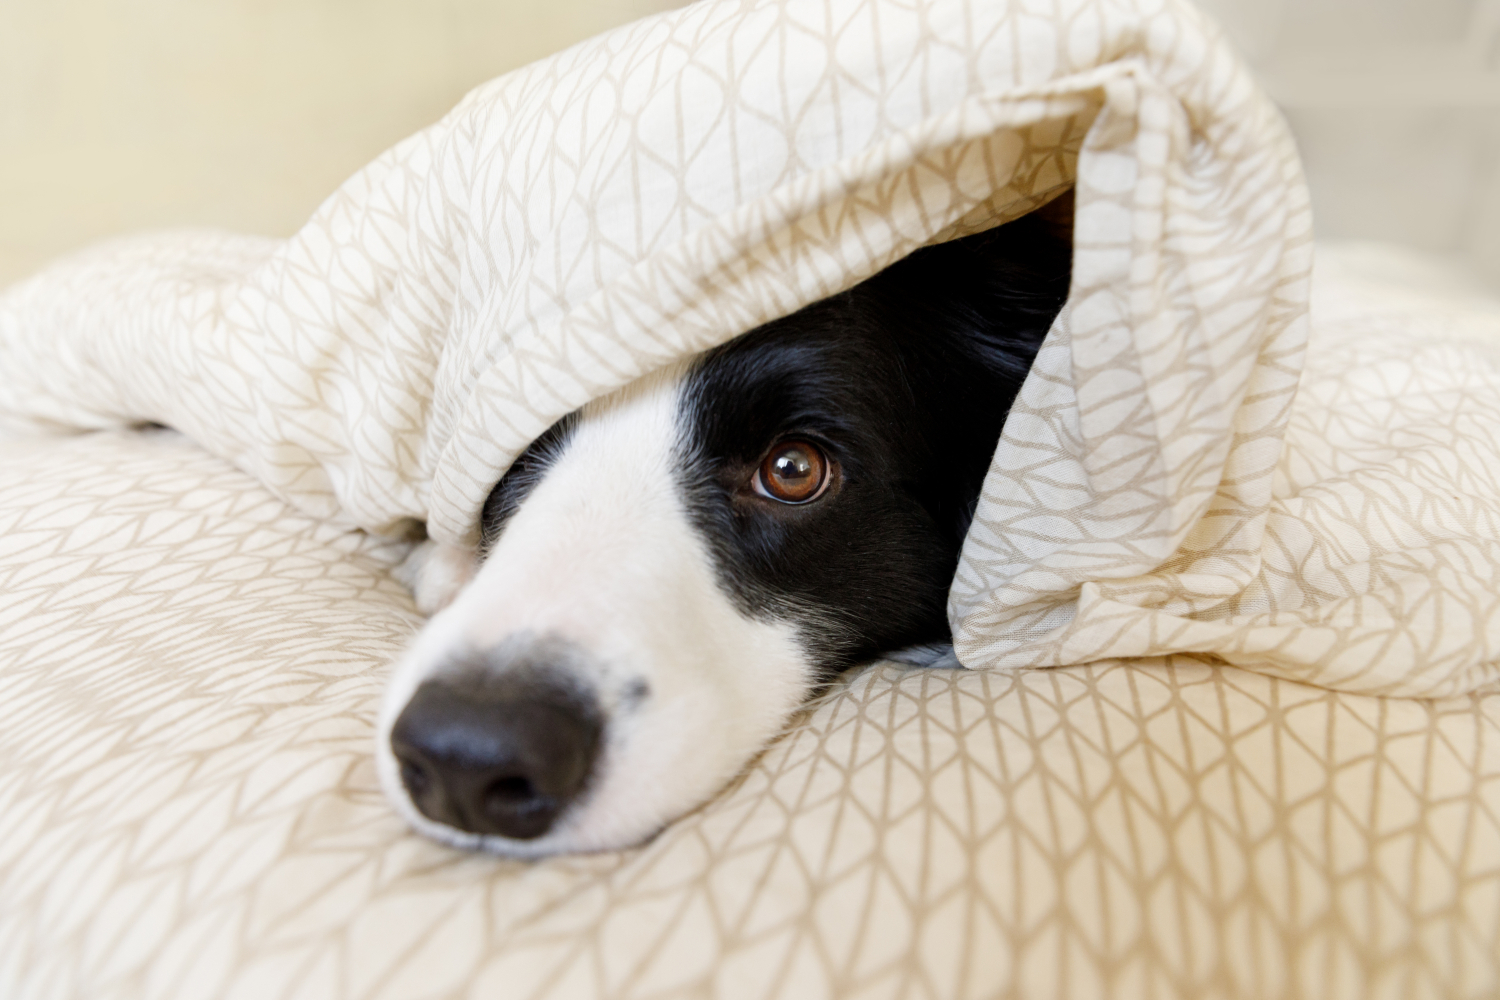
[(435, 573), (602, 554)]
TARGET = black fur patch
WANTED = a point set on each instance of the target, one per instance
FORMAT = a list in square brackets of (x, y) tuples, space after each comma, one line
[(905, 381)]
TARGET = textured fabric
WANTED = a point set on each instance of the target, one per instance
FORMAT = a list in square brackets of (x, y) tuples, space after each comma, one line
[(668, 185), (1375, 567), (189, 675)]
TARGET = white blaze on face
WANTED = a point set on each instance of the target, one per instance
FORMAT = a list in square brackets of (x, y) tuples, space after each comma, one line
[(603, 555)]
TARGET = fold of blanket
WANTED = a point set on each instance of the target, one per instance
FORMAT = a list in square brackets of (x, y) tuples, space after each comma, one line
[(190, 673), (671, 184)]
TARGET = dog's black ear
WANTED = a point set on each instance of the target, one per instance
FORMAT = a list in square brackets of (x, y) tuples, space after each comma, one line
[(1008, 285), (1055, 220), (973, 313)]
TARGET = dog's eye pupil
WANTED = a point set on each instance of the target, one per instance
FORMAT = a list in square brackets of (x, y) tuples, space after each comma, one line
[(794, 472), (795, 466)]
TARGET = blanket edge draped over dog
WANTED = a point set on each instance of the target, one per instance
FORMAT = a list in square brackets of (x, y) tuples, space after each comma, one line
[(666, 186)]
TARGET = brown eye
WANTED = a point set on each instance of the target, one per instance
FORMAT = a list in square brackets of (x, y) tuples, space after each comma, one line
[(794, 472)]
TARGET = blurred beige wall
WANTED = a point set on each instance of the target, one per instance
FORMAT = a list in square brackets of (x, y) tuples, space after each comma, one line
[(1396, 108), (118, 116), (241, 114)]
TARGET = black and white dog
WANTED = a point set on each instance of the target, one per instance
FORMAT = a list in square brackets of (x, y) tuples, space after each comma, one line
[(667, 574)]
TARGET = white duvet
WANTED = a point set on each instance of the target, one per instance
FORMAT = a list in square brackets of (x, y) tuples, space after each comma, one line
[(190, 672), (192, 654), (1161, 486)]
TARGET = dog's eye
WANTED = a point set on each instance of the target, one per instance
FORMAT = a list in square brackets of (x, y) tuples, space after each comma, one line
[(794, 472)]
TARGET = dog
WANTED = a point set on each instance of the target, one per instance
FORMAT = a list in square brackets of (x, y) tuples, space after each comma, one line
[(668, 573)]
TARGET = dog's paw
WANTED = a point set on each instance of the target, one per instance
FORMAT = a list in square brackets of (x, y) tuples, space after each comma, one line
[(435, 573), (937, 655)]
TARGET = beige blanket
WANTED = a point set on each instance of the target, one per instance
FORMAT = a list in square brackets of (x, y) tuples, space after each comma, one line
[(668, 185), (190, 652), (190, 672)]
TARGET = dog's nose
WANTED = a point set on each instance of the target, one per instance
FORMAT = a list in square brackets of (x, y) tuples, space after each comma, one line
[(497, 759)]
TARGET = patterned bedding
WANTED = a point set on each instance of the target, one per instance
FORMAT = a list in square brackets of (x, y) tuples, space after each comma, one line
[(1207, 548), (192, 667)]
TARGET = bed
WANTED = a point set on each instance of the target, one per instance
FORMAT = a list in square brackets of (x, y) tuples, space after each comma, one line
[(1212, 800)]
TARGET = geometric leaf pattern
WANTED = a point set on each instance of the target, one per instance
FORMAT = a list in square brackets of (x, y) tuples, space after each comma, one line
[(190, 671), (193, 642), (658, 189), (1375, 562)]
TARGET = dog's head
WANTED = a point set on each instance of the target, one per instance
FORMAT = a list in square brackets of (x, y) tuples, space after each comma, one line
[(667, 574)]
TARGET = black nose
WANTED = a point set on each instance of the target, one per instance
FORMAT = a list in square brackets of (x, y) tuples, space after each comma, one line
[(496, 756)]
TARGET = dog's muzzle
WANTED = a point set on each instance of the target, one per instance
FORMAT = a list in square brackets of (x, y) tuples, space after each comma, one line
[(496, 748)]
